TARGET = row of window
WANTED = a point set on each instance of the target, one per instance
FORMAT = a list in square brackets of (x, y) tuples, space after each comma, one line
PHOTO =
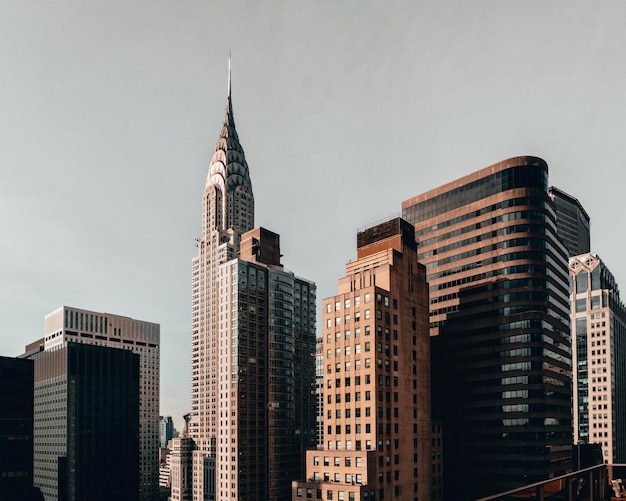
[(341, 495), (358, 461)]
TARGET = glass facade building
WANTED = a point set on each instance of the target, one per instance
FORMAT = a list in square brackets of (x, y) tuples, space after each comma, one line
[(499, 317), (86, 423), (16, 429), (599, 333), (572, 222)]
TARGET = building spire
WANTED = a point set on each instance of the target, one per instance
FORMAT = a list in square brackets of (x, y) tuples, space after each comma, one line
[(229, 161), (229, 74)]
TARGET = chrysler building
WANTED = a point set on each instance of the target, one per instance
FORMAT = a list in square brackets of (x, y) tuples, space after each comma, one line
[(252, 345)]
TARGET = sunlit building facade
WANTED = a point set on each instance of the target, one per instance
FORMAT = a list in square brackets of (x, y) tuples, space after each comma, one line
[(598, 321), (227, 213), (376, 366)]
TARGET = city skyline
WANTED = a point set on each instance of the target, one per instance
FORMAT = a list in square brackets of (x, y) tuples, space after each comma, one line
[(111, 114)]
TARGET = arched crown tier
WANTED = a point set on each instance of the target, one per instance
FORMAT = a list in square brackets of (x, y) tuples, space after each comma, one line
[(229, 159)]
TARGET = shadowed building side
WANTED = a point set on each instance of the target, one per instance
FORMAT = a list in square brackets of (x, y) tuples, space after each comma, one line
[(499, 317)]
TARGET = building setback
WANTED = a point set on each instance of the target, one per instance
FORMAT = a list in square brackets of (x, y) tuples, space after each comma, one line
[(376, 366), (86, 423), (116, 331), (252, 344), (599, 334), (499, 317)]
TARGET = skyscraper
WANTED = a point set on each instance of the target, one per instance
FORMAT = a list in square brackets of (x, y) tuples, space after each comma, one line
[(105, 329), (598, 346), (376, 366), (572, 222), (227, 213), (499, 317), (86, 422), (253, 344)]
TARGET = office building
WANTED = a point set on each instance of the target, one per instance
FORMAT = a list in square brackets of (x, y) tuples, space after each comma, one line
[(499, 317), (105, 329), (598, 322), (86, 422), (377, 436), (572, 222), (253, 344), (16, 429)]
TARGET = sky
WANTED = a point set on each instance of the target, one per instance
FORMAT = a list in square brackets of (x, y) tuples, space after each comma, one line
[(110, 111)]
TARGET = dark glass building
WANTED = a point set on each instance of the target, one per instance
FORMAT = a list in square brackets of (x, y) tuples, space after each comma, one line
[(16, 429), (499, 317), (572, 222), (86, 423)]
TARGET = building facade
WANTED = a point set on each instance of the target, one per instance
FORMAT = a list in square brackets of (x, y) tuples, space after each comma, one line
[(572, 222), (598, 322), (499, 317), (376, 365), (319, 390), (115, 331), (16, 429), (267, 365), (253, 344), (86, 422), (181, 465)]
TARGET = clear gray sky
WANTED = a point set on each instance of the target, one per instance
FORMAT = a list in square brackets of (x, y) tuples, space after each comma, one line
[(109, 113)]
